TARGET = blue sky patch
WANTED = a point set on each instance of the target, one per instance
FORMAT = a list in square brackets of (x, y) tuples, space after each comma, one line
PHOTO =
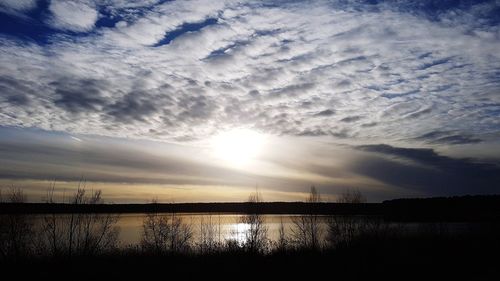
[(185, 28)]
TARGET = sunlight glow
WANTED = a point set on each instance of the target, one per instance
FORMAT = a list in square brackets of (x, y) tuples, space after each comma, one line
[(238, 147), (239, 233)]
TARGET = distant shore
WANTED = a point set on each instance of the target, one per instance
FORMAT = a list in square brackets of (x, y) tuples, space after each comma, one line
[(463, 208)]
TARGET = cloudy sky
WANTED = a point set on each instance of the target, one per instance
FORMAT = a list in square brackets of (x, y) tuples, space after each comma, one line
[(205, 100)]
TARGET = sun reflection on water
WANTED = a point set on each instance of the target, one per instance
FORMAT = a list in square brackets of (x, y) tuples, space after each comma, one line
[(238, 233)]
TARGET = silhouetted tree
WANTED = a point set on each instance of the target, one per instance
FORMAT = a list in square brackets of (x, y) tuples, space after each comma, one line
[(342, 229), (15, 229), (78, 233), (351, 197), (209, 230), (51, 230), (165, 233), (282, 242), (256, 236), (307, 228)]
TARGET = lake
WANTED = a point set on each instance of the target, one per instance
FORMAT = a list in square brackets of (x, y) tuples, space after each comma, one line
[(227, 226)]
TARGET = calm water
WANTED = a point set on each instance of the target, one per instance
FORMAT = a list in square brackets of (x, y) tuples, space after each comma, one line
[(227, 226), (230, 227)]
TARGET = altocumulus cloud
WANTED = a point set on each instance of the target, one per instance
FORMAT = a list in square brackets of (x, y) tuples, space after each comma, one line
[(184, 69), (399, 82), (72, 15)]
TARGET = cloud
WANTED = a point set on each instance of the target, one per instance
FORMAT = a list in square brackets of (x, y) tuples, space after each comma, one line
[(17, 7), (380, 171), (77, 96), (41, 155), (428, 172), (350, 119), (443, 137), (133, 107), (162, 21), (15, 92), (326, 112), (369, 73), (78, 16)]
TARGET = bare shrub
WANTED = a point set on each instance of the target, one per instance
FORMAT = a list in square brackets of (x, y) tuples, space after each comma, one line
[(15, 229), (343, 229), (165, 233), (79, 233), (283, 242), (307, 228), (256, 235), (232, 246), (351, 197), (17, 195), (209, 232)]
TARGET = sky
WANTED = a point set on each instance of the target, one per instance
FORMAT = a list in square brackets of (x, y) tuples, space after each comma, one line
[(205, 101)]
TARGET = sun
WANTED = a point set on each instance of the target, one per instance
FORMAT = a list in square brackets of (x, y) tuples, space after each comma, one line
[(238, 146)]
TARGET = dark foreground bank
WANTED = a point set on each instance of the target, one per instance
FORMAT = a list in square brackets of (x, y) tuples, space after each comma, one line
[(344, 246), (423, 257)]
